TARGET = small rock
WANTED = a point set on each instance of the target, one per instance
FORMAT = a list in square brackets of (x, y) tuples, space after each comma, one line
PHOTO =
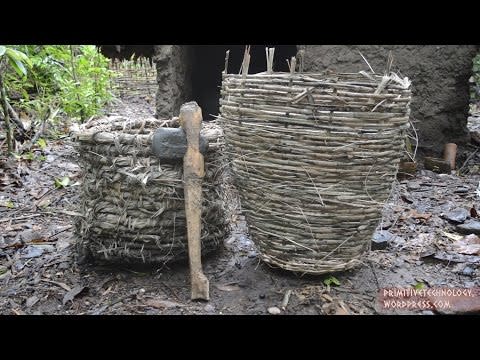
[(209, 308), (427, 173), (17, 266), (469, 227), (458, 215), (274, 310), (381, 239), (63, 266), (461, 190), (261, 296), (468, 271), (427, 312), (399, 263), (413, 186), (36, 251), (27, 236), (32, 300)]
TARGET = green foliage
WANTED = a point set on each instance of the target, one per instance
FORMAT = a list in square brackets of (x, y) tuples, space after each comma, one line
[(332, 280), (73, 78), (42, 143), (16, 59), (29, 156), (419, 286), (62, 183)]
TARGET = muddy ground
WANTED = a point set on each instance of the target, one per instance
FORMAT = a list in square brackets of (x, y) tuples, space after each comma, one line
[(39, 275)]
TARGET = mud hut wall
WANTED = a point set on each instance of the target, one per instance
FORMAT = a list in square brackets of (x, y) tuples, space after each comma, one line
[(439, 75), (174, 64)]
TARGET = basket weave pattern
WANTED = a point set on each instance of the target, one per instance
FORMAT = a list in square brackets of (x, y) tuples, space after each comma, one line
[(314, 158), (132, 204)]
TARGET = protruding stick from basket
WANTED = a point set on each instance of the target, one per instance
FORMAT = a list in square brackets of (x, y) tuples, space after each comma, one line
[(268, 60), (300, 59), (245, 62), (227, 55), (270, 54), (193, 172), (293, 65)]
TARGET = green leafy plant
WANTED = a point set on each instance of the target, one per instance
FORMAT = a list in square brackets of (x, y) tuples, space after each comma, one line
[(419, 286), (17, 61), (42, 143), (74, 78), (62, 183), (29, 156), (331, 280)]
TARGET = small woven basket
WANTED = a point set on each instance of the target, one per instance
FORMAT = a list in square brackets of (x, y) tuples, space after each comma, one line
[(132, 204), (314, 158)]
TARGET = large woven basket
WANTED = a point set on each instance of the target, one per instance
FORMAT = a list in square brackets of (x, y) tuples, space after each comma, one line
[(314, 158), (132, 204)]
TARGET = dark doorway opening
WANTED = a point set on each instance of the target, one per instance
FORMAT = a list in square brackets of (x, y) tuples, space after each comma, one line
[(209, 62)]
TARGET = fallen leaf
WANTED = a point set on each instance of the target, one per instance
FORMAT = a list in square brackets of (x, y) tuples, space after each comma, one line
[(28, 236), (473, 213), (327, 297), (422, 240), (3, 269), (342, 309), (32, 300), (36, 250), (69, 296), (468, 245), (43, 202), (471, 249), (274, 310), (162, 304), (456, 258), (228, 287), (454, 237), (18, 312), (416, 215), (471, 239), (58, 283)]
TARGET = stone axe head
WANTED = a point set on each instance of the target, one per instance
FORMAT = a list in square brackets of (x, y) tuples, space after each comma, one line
[(170, 144)]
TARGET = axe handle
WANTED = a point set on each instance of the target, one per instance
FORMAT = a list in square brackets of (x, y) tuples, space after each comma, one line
[(193, 172)]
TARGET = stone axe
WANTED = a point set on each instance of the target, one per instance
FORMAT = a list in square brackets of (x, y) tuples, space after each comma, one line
[(171, 144)]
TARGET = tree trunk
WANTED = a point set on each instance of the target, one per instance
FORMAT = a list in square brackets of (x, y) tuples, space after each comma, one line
[(3, 96)]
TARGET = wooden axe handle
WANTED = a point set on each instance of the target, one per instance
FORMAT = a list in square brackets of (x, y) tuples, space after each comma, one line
[(193, 173)]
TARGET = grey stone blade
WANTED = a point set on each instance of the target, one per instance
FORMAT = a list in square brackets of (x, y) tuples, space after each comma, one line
[(171, 144)]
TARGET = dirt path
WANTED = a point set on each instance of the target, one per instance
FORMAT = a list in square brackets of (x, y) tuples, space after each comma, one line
[(39, 274)]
